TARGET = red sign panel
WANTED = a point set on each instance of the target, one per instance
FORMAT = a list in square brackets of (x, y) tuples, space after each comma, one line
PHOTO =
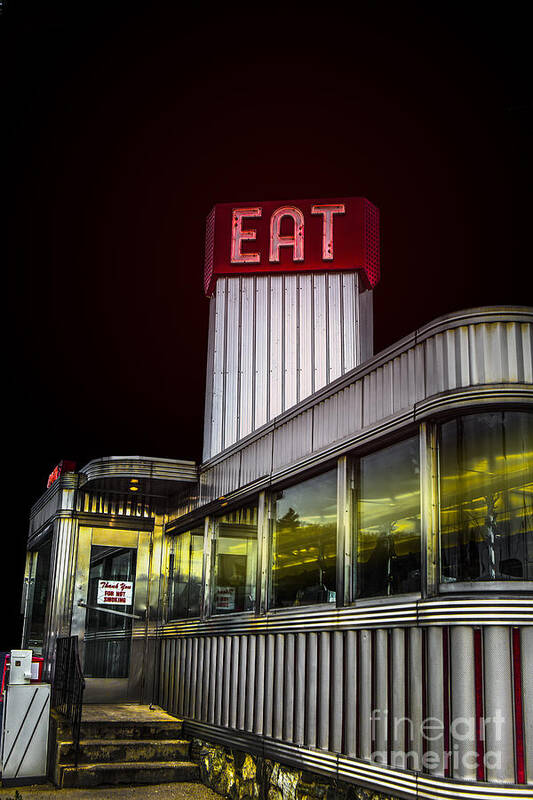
[(297, 236), (63, 466)]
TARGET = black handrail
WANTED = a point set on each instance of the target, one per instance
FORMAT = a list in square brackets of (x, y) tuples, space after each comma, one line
[(68, 686)]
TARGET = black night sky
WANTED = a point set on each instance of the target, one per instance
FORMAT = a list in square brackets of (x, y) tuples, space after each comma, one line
[(126, 122)]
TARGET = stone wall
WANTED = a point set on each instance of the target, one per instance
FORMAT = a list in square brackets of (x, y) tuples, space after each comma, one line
[(241, 776)]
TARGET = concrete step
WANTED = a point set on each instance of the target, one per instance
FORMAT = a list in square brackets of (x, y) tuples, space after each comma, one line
[(139, 772), (112, 751), (104, 729)]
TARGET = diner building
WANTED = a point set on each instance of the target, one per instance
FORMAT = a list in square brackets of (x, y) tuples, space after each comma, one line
[(344, 585)]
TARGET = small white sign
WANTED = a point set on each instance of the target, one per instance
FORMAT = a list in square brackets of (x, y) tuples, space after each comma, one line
[(115, 592), (225, 598)]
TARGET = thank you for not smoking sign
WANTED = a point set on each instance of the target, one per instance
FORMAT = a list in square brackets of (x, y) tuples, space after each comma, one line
[(115, 593)]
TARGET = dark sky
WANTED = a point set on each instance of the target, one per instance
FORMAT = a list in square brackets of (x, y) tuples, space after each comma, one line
[(126, 122)]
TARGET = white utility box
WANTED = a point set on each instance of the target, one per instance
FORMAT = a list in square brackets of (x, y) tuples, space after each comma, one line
[(25, 732), (20, 666)]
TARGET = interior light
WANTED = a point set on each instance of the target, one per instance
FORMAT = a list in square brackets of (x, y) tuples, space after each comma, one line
[(134, 488)]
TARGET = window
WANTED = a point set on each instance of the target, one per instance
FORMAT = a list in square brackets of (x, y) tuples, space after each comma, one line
[(235, 561), (185, 574), (388, 521), (486, 497), (40, 596), (304, 543)]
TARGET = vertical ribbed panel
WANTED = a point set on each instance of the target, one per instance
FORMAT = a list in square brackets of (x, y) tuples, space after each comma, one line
[(312, 690), (463, 700), (363, 693), (527, 697), (435, 699), (381, 702), (299, 689), (442, 362), (498, 703), (323, 689), (398, 699), (274, 340), (350, 694)]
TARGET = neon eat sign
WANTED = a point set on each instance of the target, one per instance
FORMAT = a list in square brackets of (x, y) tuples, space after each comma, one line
[(302, 236)]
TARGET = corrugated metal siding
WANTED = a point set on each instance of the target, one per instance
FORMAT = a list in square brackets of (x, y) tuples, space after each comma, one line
[(274, 340), (362, 693), (496, 354)]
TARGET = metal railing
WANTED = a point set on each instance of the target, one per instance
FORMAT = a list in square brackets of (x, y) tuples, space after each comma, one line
[(68, 686)]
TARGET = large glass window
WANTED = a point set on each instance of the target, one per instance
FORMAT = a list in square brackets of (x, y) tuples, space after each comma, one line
[(235, 561), (185, 574), (40, 596), (304, 544), (486, 497), (388, 521)]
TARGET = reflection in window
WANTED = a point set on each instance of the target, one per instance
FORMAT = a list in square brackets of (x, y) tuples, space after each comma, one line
[(486, 497), (388, 521), (185, 574), (304, 545), (235, 561), (40, 596), (108, 636)]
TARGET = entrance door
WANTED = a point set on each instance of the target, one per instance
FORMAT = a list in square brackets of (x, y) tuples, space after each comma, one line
[(110, 611)]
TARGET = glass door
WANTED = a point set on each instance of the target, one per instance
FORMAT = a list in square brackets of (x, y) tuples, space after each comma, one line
[(109, 612), (110, 596)]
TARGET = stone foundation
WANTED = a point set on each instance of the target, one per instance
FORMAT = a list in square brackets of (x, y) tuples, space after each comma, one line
[(241, 776)]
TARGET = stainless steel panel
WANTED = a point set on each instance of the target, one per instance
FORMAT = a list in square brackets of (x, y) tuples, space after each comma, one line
[(247, 361), (213, 673), (365, 323), (276, 345), (187, 685), (288, 688), (259, 697), (334, 321), (381, 704), (416, 687), (365, 694), (434, 729), (323, 690), (312, 690), (234, 682), (219, 356), (206, 680), (306, 376), (279, 674), (232, 359), (251, 677), (349, 333), (399, 711), (193, 686), (261, 339), (300, 688), (219, 679), (320, 338), (241, 696), (526, 644), (268, 720), (337, 691), (226, 698), (291, 341), (350, 693), (498, 704), (463, 701)]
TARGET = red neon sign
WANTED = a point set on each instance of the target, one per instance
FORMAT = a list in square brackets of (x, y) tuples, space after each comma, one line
[(300, 236), (63, 466)]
